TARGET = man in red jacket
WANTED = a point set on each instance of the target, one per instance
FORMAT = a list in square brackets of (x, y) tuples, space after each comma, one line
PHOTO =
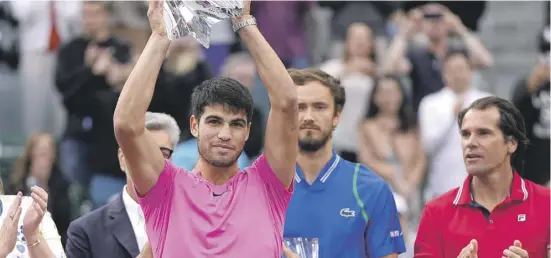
[(495, 213)]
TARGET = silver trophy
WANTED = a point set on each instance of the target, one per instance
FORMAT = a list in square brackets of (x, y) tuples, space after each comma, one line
[(195, 18), (303, 247)]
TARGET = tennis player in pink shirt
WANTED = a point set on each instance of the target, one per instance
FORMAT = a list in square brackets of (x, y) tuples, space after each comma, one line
[(216, 210)]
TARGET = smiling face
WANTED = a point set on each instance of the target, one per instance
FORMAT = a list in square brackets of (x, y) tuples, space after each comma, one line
[(221, 135), (317, 116), (484, 145)]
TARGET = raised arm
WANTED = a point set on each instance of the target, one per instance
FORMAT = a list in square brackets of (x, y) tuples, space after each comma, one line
[(143, 158), (281, 146)]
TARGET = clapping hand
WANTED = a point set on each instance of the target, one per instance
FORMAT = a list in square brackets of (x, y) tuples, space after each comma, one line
[(8, 230), (103, 62), (35, 213), (469, 251), (117, 74), (515, 251)]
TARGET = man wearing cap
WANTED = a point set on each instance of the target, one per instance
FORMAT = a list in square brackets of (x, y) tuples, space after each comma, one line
[(495, 213)]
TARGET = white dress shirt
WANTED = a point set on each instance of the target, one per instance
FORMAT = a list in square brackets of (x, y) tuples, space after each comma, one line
[(47, 228), (137, 219), (441, 140)]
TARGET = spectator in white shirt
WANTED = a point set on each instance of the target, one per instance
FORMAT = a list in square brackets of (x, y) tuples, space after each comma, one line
[(117, 230), (440, 136)]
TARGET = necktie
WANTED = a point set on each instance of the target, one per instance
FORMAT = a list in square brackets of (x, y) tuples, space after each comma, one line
[(54, 36)]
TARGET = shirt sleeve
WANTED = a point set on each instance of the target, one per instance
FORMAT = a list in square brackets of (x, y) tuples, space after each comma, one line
[(156, 206), (384, 234), (276, 192), (428, 243), (435, 121), (51, 235)]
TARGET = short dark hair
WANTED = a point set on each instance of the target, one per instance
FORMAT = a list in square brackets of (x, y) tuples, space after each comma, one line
[(303, 76), (223, 91), (511, 124)]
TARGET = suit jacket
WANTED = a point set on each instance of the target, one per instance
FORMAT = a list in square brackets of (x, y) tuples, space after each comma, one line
[(105, 232)]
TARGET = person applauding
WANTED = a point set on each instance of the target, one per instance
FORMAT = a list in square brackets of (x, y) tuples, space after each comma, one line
[(495, 213), (27, 228)]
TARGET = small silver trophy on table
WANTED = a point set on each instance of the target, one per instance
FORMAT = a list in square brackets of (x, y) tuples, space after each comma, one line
[(302, 247), (196, 17)]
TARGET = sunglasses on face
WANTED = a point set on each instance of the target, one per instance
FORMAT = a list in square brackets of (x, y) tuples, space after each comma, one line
[(167, 152)]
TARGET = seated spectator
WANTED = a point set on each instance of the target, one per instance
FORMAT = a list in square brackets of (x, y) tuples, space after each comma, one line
[(38, 166), (390, 142), (26, 227), (355, 71), (186, 156), (440, 135)]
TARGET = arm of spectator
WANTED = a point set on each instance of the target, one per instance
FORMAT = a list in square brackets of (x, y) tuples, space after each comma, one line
[(282, 126), (48, 243), (428, 243), (521, 94), (73, 78), (369, 153), (144, 160), (415, 167), (78, 245), (396, 59), (479, 54), (433, 127)]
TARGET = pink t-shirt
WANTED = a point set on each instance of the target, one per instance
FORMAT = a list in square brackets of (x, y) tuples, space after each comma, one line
[(184, 219)]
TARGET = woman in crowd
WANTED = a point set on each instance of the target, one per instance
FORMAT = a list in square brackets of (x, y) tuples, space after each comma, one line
[(27, 229), (355, 70), (38, 166), (389, 143)]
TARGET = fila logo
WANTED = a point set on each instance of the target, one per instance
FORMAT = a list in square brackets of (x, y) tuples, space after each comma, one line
[(346, 212), (521, 218)]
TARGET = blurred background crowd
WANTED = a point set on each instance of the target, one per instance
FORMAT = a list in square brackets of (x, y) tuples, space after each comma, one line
[(407, 69)]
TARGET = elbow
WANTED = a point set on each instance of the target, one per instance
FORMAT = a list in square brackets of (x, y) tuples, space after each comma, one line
[(288, 102), (124, 126), (489, 60)]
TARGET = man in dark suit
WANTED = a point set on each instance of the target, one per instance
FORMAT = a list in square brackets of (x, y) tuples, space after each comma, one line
[(118, 229)]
